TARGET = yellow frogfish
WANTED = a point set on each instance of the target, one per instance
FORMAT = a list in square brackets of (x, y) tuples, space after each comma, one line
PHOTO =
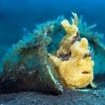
[(73, 61)]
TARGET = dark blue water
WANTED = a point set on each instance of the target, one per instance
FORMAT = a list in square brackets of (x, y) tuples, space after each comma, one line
[(17, 16)]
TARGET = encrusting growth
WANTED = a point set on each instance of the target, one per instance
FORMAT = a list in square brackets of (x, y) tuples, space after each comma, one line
[(48, 60)]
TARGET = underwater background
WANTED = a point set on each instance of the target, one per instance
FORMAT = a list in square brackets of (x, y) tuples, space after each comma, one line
[(18, 17), (33, 46)]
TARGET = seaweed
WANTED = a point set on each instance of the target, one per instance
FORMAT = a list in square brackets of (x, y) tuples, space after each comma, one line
[(28, 64)]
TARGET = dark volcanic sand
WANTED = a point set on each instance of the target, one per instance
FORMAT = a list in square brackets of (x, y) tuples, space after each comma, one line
[(79, 97)]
